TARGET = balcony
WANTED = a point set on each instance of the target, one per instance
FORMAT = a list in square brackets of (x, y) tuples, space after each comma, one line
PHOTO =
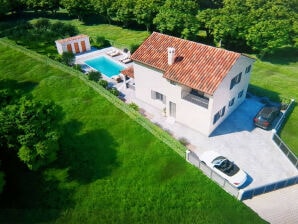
[(196, 99)]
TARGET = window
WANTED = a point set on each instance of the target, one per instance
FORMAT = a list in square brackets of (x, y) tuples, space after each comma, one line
[(219, 114), (248, 68), (235, 80), (158, 96), (222, 111), (216, 117), (231, 103), (240, 94)]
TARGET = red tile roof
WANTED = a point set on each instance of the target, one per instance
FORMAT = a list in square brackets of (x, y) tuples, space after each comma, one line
[(72, 38), (196, 65), (128, 72)]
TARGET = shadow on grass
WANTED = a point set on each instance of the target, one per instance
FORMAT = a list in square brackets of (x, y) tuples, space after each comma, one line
[(89, 156), (20, 87), (41, 196), (283, 56), (261, 92)]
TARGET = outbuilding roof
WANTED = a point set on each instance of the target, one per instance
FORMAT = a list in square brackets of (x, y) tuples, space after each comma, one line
[(196, 65), (68, 39)]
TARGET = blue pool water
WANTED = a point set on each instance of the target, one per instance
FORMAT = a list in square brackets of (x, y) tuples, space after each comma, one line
[(105, 66)]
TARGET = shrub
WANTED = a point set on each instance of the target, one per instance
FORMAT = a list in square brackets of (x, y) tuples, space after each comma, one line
[(103, 83), (114, 91), (134, 47), (67, 58), (94, 76), (77, 67), (42, 24), (134, 106), (183, 141), (101, 42)]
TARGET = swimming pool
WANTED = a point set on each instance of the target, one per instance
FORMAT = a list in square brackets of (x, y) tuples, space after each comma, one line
[(105, 65)]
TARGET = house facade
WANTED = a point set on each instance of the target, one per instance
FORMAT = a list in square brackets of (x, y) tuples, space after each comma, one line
[(75, 44), (195, 84)]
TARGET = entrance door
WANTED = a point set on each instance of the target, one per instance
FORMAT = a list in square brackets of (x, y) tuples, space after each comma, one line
[(83, 46), (77, 49), (172, 109), (69, 49)]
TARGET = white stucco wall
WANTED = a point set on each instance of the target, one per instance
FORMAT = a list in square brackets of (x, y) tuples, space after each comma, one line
[(62, 45), (223, 94), (187, 113)]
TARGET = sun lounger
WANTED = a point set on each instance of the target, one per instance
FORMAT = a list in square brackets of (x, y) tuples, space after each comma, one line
[(113, 53), (127, 60)]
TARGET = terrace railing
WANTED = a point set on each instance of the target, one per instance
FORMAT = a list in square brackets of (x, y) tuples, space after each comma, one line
[(198, 100)]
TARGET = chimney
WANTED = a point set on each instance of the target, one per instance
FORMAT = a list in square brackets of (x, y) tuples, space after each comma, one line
[(171, 55)]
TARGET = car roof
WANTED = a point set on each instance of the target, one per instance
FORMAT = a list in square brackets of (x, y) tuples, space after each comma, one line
[(267, 110)]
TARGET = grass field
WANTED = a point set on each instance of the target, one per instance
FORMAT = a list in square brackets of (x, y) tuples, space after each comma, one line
[(276, 77), (110, 169)]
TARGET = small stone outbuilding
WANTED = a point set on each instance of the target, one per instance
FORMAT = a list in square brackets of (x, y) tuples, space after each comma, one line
[(75, 44)]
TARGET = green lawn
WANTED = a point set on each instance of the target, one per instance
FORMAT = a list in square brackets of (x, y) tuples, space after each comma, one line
[(110, 169), (276, 77)]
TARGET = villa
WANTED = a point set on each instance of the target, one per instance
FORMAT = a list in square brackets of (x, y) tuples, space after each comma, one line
[(194, 84)]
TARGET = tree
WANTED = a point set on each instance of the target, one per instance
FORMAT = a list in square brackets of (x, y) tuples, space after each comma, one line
[(122, 11), (79, 8), (145, 11), (5, 7), (38, 127), (29, 127), (273, 25), (261, 25), (43, 5), (175, 17), (265, 36), (102, 7)]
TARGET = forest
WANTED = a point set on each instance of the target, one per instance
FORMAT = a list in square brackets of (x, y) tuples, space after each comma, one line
[(252, 26)]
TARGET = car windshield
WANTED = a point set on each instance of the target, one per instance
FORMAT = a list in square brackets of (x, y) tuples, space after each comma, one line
[(267, 112), (226, 166)]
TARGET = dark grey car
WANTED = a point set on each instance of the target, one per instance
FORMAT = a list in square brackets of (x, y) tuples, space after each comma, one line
[(266, 116)]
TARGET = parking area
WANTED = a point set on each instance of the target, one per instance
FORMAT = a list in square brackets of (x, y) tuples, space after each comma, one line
[(251, 148)]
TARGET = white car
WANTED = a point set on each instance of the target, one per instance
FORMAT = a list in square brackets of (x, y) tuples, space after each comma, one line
[(224, 167)]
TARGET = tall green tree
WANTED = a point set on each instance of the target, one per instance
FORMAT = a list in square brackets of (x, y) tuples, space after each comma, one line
[(43, 5), (38, 126), (177, 17), (273, 25), (261, 25), (102, 7), (122, 11), (79, 8), (145, 11), (4, 7), (29, 127)]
